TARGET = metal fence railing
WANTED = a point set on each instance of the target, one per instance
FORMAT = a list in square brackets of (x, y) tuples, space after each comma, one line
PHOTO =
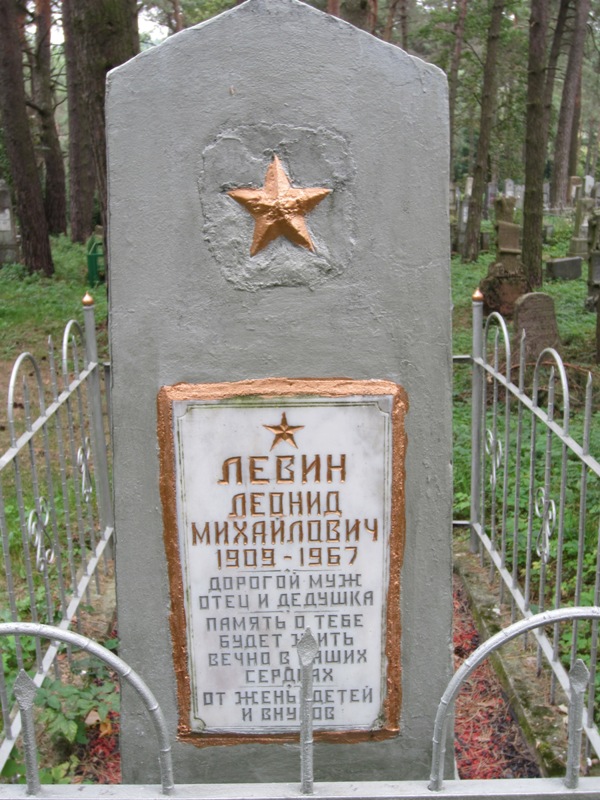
[(56, 518), (535, 495), (303, 784)]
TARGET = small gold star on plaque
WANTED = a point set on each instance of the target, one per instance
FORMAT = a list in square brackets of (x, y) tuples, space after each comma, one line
[(279, 208), (284, 432)]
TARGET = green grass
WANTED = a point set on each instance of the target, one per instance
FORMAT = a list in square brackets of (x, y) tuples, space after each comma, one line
[(33, 307)]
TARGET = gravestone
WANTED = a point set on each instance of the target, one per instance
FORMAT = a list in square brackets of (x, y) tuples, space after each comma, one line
[(509, 187), (534, 313), (588, 185), (519, 195), (262, 244), (579, 241), (546, 194), (505, 281), (593, 280), (9, 248), (568, 269), (469, 186), (491, 194), (575, 186)]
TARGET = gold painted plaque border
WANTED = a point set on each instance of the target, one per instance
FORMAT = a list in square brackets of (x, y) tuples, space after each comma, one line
[(272, 388)]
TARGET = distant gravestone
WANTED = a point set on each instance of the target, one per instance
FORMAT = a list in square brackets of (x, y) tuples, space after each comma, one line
[(509, 238), (9, 249), (509, 187), (588, 185), (568, 269), (257, 493), (469, 186), (593, 278), (519, 195), (546, 194), (505, 281), (534, 313), (575, 185), (491, 195)]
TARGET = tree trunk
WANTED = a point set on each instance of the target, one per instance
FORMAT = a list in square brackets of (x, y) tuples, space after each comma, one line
[(536, 140), (19, 147), (567, 106), (459, 32), (82, 181), (55, 194), (488, 109), (389, 22), (333, 7), (372, 10), (574, 148), (404, 24), (106, 35)]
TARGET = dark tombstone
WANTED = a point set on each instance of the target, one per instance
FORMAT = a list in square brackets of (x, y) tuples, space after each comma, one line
[(505, 281), (534, 313), (567, 269), (509, 238), (593, 280), (504, 209)]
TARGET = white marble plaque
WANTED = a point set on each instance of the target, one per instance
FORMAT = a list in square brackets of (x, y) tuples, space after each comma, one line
[(284, 522)]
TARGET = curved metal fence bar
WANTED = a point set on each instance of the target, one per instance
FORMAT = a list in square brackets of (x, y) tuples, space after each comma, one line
[(56, 520), (24, 357), (498, 320), (475, 659), (70, 340), (535, 494), (550, 352), (123, 670)]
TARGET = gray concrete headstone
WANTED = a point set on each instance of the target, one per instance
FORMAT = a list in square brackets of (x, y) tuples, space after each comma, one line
[(534, 313), (189, 121), (568, 268), (9, 248)]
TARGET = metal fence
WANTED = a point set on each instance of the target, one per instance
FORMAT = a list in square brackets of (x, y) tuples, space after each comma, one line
[(56, 518), (543, 788), (535, 494)]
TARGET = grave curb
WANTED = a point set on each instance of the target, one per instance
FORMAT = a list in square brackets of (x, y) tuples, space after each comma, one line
[(544, 726)]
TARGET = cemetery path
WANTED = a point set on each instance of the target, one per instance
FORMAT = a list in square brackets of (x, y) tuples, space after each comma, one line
[(488, 741)]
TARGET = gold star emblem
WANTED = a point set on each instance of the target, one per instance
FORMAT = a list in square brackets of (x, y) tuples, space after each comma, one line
[(284, 432), (279, 208)]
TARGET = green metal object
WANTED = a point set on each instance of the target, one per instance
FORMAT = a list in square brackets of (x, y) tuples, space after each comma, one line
[(95, 261)]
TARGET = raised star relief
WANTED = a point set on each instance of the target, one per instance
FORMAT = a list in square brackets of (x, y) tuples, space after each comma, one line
[(284, 432), (279, 208)]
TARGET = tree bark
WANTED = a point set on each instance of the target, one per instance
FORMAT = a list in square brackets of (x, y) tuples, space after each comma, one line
[(106, 35), (488, 109), (404, 24), (574, 146), (82, 181), (55, 194), (536, 140), (35, 243), (333, 7), (389, 22), (567, 106), (459, 32)]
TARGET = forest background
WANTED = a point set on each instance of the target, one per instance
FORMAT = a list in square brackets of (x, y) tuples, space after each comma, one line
[(524, 98)]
